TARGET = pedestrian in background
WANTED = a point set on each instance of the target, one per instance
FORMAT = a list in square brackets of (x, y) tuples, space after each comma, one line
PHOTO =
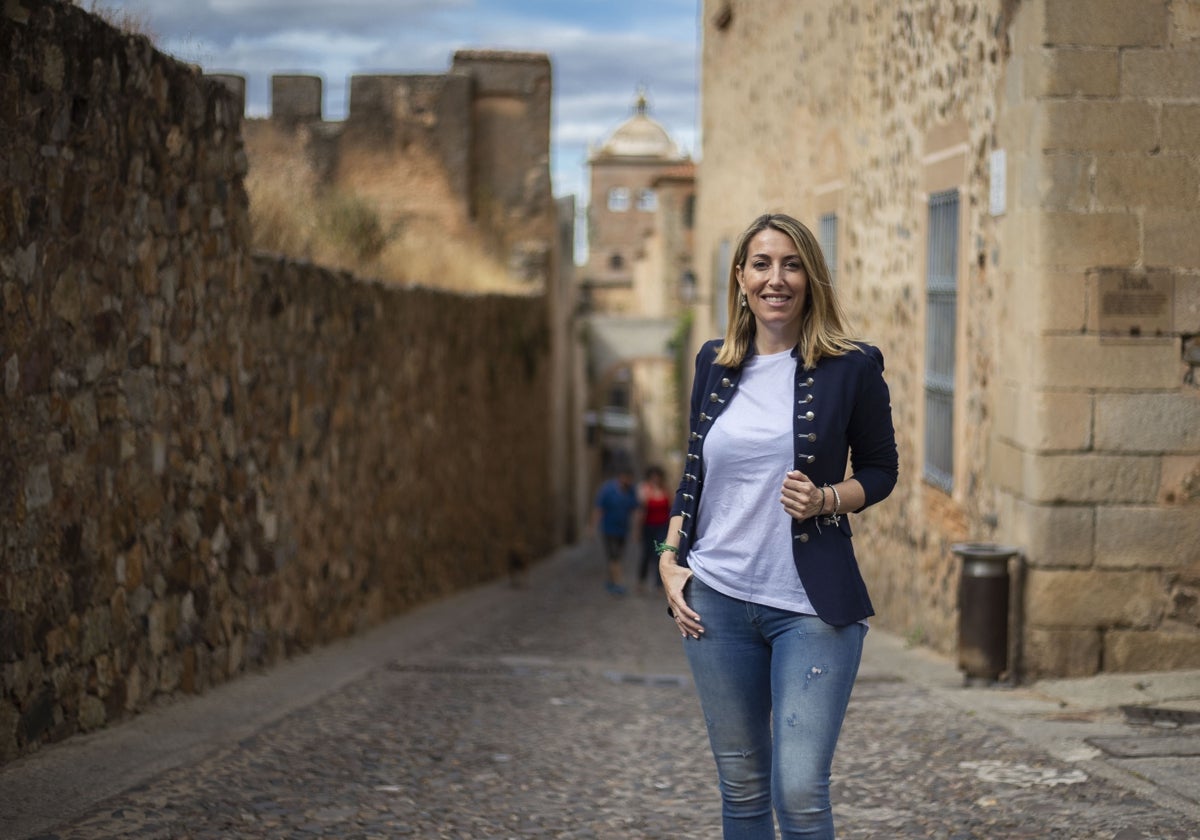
[(758, 566), (616, 501), (655, 513)]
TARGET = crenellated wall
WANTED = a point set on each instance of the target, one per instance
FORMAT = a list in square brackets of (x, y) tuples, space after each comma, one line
[(213, 459), (467, 151)]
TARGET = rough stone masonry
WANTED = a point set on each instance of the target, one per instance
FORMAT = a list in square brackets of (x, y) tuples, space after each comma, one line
[(211, 459)]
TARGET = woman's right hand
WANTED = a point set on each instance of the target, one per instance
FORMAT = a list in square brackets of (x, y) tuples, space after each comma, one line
[(675, 578)]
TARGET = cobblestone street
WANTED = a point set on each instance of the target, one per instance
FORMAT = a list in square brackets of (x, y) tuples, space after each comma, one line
[(557, 710)]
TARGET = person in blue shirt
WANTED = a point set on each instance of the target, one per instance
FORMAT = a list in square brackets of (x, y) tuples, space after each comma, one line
[(616, 501), (758, 566)]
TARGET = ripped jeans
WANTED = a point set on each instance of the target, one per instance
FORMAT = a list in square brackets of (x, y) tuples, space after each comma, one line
[(761, 671)]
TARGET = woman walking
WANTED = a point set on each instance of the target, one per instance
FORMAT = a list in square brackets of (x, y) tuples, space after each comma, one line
[(758, 566)]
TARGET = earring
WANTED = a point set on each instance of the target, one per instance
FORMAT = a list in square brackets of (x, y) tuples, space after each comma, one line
[(742, 300)]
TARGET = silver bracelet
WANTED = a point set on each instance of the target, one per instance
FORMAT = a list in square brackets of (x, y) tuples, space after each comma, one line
[(837, 504)]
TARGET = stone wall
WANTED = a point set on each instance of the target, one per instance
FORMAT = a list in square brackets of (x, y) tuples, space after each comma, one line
[(212, 459), (466, 151), (860, 91), (1077, 447), (1096, 445)]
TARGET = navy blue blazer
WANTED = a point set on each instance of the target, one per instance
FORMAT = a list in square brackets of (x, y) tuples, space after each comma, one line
[(843, 412)]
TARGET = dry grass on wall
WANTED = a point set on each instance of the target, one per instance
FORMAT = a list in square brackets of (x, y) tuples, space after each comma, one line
[(129, 21), (424, 254), (398, 229), (279, 223)]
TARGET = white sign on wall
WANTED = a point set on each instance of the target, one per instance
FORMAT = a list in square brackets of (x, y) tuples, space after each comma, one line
[(997, 192)]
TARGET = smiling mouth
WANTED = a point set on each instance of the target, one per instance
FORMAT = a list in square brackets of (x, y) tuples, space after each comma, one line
[(776, 298)]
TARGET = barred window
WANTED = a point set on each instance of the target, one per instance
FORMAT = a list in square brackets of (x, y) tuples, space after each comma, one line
[(647, 201), (941, 298), (827, 236)]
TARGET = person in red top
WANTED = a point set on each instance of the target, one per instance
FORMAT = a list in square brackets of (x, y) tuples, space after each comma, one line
[(655, 509)]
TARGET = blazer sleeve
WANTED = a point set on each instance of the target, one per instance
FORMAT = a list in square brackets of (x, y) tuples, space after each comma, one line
[(872, 436)]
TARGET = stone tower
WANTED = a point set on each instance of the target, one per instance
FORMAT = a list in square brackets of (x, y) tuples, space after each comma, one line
[(624, 201)]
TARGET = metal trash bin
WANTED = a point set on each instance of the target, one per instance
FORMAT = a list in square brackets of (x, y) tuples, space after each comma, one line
[(983, 600)]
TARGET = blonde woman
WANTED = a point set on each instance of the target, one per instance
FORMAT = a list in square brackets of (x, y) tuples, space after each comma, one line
[(758, 566)]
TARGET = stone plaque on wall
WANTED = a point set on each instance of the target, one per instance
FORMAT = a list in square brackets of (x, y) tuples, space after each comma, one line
[(1135, 303)]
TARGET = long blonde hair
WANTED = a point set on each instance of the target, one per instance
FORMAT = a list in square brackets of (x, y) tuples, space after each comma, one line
[(823, 330)]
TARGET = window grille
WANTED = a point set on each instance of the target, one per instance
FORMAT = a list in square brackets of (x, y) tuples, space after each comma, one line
[(941, 298), (618, 199), (827, 236), (647, 201)]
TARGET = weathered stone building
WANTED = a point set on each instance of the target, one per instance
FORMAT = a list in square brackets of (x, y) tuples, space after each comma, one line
[(455, 154), (632, 291), (1009, 192), (449, 161), (211, 458), (624, 201), (663, 287)]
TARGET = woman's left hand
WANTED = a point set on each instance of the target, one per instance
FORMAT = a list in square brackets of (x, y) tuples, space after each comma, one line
[(802, 499)]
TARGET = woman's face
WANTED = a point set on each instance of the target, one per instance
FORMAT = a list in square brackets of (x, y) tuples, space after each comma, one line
[(774, 282)]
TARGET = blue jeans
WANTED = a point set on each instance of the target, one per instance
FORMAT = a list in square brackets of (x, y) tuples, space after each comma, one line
[(762, 671)]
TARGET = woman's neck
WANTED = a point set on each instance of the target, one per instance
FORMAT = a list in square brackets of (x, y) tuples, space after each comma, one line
[(769, 342)]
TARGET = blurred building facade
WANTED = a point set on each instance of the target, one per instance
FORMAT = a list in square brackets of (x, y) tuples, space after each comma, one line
[(632, 292), (1008, 192)]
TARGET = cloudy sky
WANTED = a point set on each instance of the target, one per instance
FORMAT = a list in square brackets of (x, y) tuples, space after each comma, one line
[(600, 50)]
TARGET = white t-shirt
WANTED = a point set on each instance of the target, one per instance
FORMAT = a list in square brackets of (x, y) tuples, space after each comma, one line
[(743, 541)]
